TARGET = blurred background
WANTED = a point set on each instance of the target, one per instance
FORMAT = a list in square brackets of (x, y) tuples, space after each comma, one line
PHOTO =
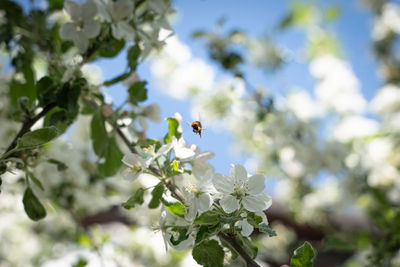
[(305, 92)]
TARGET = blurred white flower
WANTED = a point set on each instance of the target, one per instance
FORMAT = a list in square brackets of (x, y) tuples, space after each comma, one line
[(240, 189), (302, 105), (152, 112), (199, 195), (92, 73), (181, 149), (386, 100), (136, 165), (118, 12), (83, 26), (355, 127), (199, 163)]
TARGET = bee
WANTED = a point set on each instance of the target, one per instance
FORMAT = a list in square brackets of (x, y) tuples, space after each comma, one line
[(197, 128)]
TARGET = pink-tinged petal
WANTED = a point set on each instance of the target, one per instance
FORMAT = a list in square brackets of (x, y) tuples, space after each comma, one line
[(229, 203), (68, 31), (91, 28), (205, 202), (254, 203), (239, 173), (223, 183), (256, 184)]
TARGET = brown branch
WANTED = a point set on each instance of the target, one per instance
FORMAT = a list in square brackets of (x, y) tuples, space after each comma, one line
[(231, 240), (27, 124)]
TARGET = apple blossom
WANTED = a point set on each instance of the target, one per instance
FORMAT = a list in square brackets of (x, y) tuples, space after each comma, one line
[(240, 189), (136, 165)]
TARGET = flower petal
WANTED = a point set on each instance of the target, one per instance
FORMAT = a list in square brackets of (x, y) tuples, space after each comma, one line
[(223, 183), (132, 159), (247, 228), (68, 31), (128, 174), (89, 10), (122, 9), (256, 184), (205, 202), (73, 9), (81, 41), (239, 173), (254, 203), (229, 203), (91, 28)]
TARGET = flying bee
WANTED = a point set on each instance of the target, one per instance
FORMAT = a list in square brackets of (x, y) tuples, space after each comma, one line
[(197, 128)]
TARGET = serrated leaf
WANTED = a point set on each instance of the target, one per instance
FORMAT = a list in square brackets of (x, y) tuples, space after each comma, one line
[(36, 181), (266, 229), (37, 138), (137, 198), (177, 208), (303, 256), (99, 134), (113, 159), (33, 208), (156, 196), (208, 253), (137, 92), (173, 125), (207, 218)]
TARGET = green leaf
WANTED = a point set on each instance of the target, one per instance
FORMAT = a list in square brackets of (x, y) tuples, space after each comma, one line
[(67, 98), (335, 243), (60, 165), (18, 89), (56, 4), (113, 159), (266, 229), (37, 138), (157, 194), (173, 125), (303, 256), (99, 134), (36, 181), (117, 79), (111, 48), (177, 208), (46, 91), (201, 234), (233, 251), (207, 218), (248, 245), (133, 55), (209, 254), (33, 208), (253, 219), (137, 198), (181, 235), (148, 142), (137, 92), (80, 263), (230, 219)]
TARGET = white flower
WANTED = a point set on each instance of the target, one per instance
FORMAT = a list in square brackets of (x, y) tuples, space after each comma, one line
[(199, 196), (199, 163), (83, 26), (181, 149), (246, 228), (241, 189), (167, 220), (136, 165), (152, 112)]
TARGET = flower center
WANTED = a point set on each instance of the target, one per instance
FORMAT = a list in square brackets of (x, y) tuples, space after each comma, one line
[(191, 188), (240, 188), (136, 168)]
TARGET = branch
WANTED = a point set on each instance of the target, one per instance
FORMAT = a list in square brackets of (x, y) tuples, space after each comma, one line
[(27, 124), (231, 240)]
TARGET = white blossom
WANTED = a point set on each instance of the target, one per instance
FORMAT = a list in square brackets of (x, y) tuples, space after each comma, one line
[(240, 189), (83, 26), (136, 165)]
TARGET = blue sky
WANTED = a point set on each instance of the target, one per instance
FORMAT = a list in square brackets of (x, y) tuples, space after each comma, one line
[(255, 18)]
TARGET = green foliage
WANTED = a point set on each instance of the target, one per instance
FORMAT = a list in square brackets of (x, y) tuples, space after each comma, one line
[(208, 253), (253, 219), (229, 219), (60, 165), (156, 196), (113, 157), (117, 79), (176, 208), (111, 48), (207, 218), (173, 125), (133, 56), (33, 208), (335, 243), (37, 138), (136, 198), (36, 181), (251, 249), (18, 89), (266, 229), (98, 134), (303, 256), (46, 91), (137, 92), (180, 235)]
